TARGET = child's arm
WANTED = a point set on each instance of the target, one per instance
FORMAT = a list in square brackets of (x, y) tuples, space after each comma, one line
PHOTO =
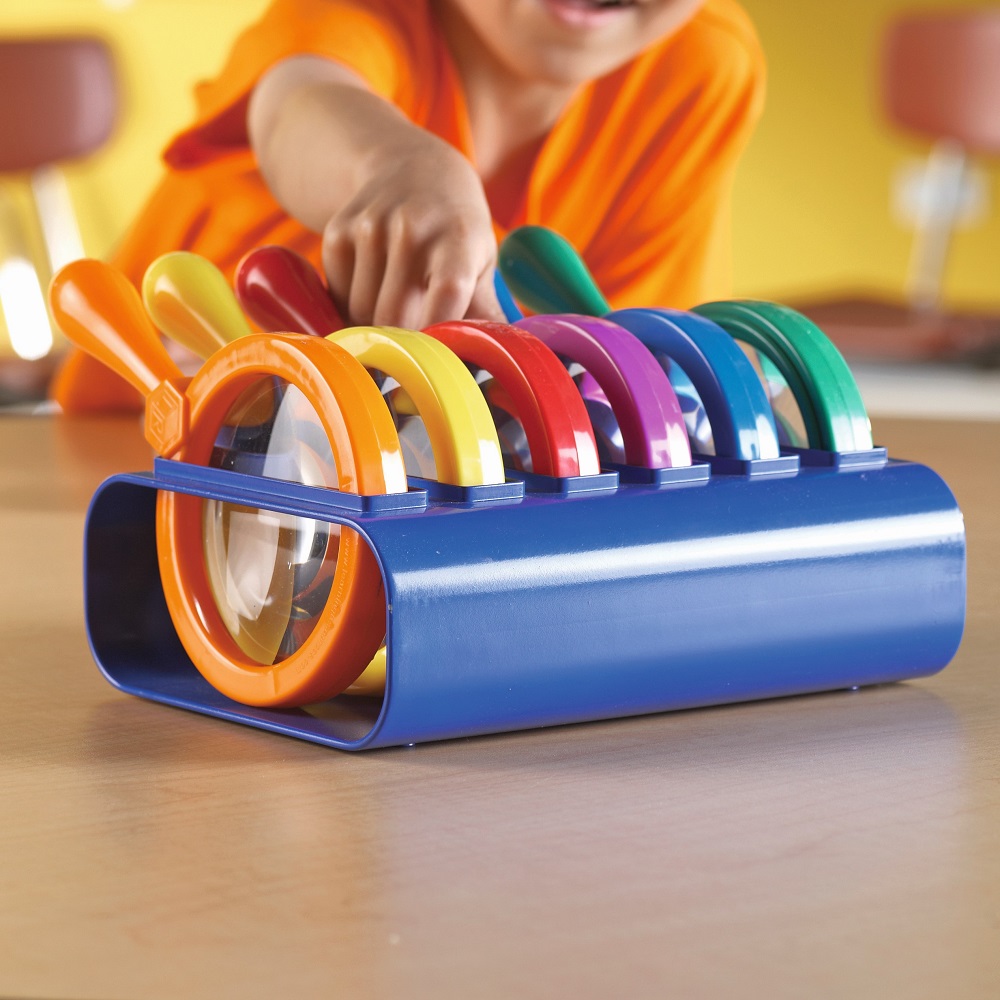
[(407, 233)]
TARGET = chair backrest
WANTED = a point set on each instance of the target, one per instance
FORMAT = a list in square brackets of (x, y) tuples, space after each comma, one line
[(941, 75), (60, 100)]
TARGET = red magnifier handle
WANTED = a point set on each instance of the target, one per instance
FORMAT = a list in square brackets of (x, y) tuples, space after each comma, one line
[(283, 293)]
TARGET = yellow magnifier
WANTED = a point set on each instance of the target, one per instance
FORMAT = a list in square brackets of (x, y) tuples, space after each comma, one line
[(437, 387)]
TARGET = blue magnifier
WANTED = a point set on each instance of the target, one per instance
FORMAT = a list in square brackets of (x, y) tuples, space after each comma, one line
[(735, 403), (712, 377)]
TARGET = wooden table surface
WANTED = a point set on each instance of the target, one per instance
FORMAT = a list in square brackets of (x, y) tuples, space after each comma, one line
[(840, 845)]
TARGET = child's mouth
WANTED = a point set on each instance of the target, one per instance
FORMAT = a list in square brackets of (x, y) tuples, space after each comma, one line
[(587, 13)]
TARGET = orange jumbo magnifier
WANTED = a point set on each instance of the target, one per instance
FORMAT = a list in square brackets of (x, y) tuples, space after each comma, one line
[(444, 426), (272, 609)]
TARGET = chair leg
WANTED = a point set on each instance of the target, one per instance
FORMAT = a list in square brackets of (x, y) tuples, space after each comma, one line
[(56, 216), (940, 206), (22, 299)]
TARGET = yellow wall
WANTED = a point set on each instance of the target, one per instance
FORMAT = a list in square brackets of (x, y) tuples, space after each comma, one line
[(163, 48), (812, 205), (812, 200)]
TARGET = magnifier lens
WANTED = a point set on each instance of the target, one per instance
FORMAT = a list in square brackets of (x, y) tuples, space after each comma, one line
[(270, 573), (695, 418), (607, 433), (510, 431), (787, 415), (418, 452)]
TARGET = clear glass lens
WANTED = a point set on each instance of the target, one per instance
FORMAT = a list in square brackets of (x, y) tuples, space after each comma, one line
[(418, 453), (510, 431), (270, 574), (692, 408), (607, 433), (787, 415)]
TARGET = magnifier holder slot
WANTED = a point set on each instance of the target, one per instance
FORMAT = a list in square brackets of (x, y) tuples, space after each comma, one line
[(721, 465), (562, 608), (512, 489), (639, 475), (871, 458), (565, 486)]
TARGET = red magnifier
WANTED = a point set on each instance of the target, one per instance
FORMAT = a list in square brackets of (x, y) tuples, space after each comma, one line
[(543, 397), (281, 290)]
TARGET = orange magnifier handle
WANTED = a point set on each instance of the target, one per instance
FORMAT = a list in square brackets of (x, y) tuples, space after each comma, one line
[(255, 627), (189, 299), (280, 290), (100, 311)]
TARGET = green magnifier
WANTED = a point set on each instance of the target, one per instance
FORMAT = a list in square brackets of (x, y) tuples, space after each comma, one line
[(829, 400), (549, 276)]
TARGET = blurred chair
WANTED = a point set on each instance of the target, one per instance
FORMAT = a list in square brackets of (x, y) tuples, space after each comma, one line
[(940, 79), (60, 102)]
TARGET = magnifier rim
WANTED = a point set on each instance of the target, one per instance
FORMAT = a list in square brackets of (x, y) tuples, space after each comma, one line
[(735, 402), (546, 401), (455, 413), (640, 394), (827, 394), (366, 449)]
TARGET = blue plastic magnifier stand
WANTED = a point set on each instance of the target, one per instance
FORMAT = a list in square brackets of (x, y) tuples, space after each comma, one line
[(737, 407), (828, 580)]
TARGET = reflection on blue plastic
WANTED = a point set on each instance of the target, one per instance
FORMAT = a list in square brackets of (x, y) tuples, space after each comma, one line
[(506, 300), (556, 607)]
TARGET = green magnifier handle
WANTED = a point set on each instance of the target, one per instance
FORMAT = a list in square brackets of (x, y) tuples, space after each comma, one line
[(547, 275)]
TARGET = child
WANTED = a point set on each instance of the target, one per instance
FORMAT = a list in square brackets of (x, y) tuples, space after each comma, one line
[(394, 141)]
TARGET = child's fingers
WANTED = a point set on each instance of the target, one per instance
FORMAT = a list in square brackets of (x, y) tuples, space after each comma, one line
[(371, 263), (454, 265), (338, 265), (448, 297), (484, 304), (400, 295)]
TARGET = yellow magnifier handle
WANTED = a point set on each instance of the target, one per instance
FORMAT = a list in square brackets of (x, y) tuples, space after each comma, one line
[(371, 683), (444, 393), (189, 299)]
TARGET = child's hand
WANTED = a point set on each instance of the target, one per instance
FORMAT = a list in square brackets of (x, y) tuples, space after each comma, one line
[(407, 234), (415, 244)]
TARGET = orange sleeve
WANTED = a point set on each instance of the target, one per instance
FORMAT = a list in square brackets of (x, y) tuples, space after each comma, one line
[(366, 37)]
